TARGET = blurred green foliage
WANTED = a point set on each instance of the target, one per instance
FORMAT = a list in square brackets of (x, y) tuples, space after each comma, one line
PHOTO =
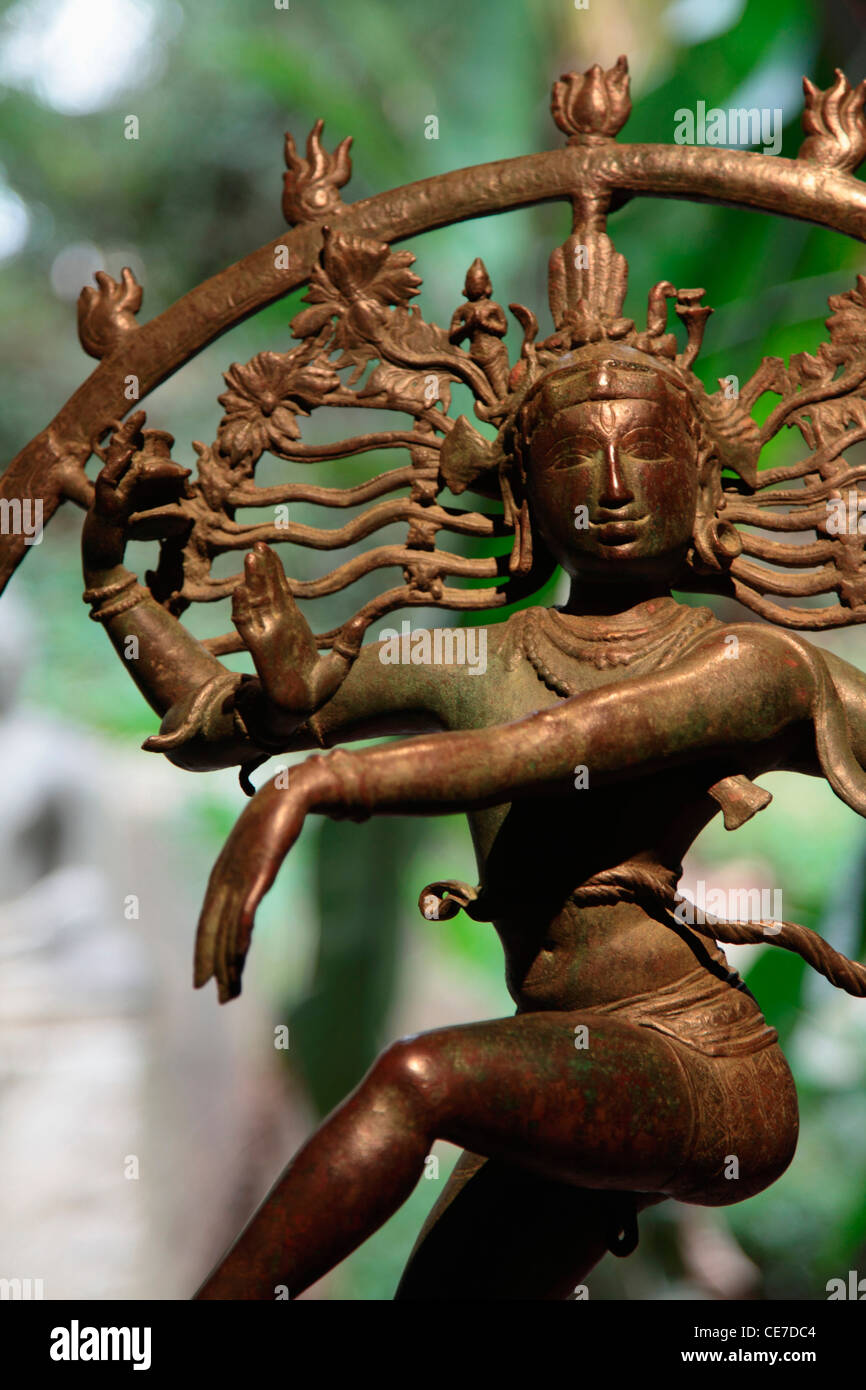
[(215, 88)]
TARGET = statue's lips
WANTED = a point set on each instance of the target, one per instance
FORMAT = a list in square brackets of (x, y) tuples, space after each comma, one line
[(618, 532)]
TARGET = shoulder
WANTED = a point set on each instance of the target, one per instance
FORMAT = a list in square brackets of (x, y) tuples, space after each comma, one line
[(780, 663), (733, 640)]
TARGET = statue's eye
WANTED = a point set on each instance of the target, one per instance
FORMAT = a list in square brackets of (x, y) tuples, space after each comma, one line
[(645, 445), (574, 449)]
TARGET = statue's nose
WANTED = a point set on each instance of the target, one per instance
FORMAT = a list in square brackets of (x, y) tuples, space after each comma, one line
[(615, 491)]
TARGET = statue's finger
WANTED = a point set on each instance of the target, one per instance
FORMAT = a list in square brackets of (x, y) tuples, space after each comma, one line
[(222, 946), (239, 937), (206, 931), (255, 571), (240, 603), (114, 469), (276, 578)]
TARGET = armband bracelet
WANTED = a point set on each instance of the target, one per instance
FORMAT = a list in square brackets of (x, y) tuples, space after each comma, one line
[(354, 799), (126, 593), (349, 650)]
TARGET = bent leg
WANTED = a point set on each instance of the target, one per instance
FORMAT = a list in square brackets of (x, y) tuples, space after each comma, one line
[(617, 1113)]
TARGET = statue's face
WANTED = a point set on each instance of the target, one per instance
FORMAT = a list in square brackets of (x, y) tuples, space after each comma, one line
[(612, 483)]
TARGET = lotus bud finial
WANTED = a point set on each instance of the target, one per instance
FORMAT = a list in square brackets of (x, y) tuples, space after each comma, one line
[(594, 103)]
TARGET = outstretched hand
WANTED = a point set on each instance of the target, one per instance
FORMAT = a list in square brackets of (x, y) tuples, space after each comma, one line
[(139, 476), (265, 832), (296, 679)]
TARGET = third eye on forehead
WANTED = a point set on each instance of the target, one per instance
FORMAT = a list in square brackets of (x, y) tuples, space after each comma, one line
[(610, 414)]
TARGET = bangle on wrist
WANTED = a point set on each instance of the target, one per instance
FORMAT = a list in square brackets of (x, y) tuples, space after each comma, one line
[(111, 599), (350, 794)]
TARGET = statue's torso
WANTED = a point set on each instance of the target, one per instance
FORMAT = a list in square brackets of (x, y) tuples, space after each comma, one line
[(533, 854)]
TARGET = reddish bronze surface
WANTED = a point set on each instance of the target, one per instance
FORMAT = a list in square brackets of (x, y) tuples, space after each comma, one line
[(599, 739)]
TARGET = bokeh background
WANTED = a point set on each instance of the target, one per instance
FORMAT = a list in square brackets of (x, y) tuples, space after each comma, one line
[(139, 1123)]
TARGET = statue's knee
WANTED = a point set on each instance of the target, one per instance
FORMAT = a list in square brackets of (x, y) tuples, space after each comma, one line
[(411, 1066)]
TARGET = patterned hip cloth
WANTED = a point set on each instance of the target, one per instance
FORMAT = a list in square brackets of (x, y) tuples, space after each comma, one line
[(744, 1104)]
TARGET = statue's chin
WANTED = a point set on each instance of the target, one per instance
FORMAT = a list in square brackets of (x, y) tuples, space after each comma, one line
[(620, 564)]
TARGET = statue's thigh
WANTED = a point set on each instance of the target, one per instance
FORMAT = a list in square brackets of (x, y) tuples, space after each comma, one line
[(576, 1097)]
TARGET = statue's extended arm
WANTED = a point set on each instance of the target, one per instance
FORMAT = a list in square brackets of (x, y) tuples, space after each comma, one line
[(213, 717), (707, 704), (166, 662)]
